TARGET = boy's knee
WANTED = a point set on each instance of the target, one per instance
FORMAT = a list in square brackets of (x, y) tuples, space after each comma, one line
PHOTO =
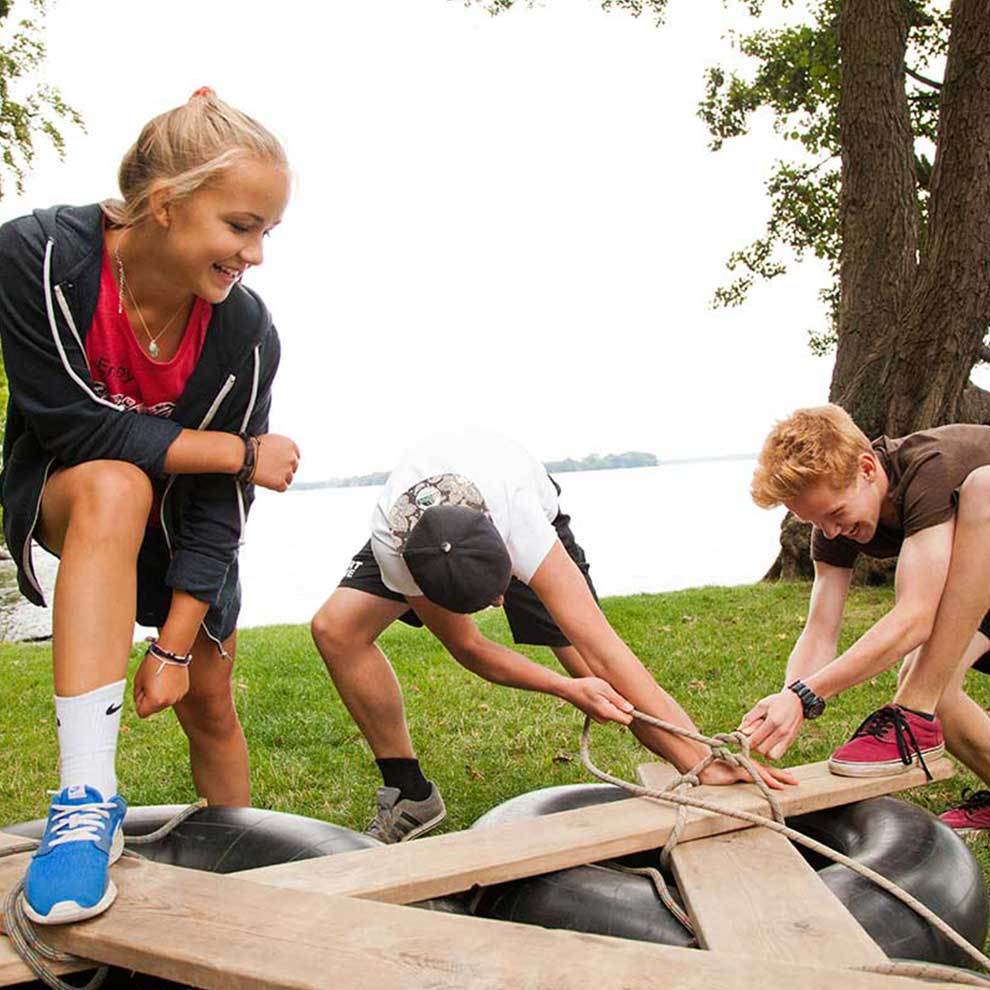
[(327, 631)]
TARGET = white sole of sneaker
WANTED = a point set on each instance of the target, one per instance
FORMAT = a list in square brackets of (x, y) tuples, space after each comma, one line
[(886, 768), (425, 827), (65, 912)]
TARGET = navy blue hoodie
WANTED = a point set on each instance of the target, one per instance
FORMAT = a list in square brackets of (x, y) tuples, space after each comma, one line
[(50, 265)]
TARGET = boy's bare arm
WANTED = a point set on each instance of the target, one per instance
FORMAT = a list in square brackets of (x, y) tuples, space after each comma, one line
[(816, 645), (922, 568), (563, 590), (773, 722), (500, 665)]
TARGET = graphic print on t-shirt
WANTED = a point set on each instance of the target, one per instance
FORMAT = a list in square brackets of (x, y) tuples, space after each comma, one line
[(442, 489)]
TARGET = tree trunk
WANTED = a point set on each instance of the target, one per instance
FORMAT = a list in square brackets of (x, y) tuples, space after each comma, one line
[(913, 316), (878, 211), (948, 310)]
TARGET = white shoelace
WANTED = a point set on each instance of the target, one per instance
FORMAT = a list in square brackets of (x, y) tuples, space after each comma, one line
[(79, 822)]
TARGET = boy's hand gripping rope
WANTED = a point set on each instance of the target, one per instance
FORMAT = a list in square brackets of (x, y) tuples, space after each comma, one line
[(676, 795)]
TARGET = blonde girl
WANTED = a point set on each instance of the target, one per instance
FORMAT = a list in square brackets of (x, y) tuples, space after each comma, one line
[(140, 372)]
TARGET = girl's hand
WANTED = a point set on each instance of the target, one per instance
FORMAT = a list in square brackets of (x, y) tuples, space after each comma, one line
[(154, 691), (278, 458), (721, 772), (598, 699)]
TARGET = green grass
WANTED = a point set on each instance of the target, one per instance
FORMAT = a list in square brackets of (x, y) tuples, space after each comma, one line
[(717, 650)]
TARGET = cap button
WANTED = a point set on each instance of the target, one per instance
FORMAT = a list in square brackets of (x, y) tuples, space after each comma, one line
[(445, 547)]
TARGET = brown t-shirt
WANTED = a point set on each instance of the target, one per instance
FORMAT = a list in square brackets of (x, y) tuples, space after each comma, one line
[(925, 471)]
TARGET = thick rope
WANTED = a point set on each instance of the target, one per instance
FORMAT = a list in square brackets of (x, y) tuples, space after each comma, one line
[(718, 744), (34, 952), (659, 885)]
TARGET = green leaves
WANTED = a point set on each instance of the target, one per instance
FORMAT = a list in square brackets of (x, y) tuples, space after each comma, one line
[(28, 109), (796, 78)]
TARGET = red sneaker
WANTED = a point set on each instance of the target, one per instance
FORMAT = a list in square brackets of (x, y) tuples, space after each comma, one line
[(972, 815), (889, 741)]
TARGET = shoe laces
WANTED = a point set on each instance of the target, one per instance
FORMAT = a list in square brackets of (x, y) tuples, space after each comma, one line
[(380, 825), (889, 717), (78, 822), (974, 800)]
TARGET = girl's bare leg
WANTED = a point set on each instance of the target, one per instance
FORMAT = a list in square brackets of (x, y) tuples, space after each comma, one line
[(218, 751), (93, 516)]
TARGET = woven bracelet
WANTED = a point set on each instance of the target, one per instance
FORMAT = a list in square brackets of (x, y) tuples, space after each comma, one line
[(166, 658), (252, 447)]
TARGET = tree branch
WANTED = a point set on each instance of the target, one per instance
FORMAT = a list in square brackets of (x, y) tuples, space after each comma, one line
[(983, 354), (922, 79)]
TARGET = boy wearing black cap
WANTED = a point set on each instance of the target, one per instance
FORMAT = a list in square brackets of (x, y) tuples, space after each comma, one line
[(465, 521)]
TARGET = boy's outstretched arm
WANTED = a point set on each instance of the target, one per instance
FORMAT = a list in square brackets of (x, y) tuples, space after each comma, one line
[(500, 665), (922, 566), (562, 588)]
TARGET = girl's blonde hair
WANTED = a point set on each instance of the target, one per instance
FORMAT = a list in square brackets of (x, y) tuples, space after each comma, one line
[(811, 445), (185, 148)]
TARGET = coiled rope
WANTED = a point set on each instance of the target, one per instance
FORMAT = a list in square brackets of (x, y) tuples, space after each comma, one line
[(35, 953), (719, 746)]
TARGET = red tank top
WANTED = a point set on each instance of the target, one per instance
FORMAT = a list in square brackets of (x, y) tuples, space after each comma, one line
[(122, 372)]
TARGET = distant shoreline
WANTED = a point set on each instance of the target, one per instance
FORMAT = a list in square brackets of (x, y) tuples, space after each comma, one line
[(593, 462)]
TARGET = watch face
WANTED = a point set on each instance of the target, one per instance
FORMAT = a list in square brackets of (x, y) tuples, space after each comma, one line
[(814, 709)]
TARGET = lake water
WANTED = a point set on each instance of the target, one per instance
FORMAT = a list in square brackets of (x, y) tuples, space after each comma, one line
[(644, 530)]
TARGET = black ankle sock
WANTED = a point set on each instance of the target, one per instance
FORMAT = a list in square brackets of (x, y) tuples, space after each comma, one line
[(914, 711), (407, 776)]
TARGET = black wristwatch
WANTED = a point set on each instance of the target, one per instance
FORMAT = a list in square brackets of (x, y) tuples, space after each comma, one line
[(812, 704)]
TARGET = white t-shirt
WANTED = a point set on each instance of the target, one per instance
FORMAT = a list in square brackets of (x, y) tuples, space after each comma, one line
[(518, 494)]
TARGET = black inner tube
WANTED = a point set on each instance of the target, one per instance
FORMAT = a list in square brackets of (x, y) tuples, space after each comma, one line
[(899, 840)]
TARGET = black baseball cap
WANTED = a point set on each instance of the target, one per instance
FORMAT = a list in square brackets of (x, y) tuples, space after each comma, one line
[(457, 558)]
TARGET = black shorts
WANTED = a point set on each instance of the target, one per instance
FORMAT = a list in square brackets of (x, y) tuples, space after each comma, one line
[(983, 664), (529, 620)]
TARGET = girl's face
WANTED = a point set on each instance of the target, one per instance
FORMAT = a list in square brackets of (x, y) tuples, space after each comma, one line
[(214, 235)]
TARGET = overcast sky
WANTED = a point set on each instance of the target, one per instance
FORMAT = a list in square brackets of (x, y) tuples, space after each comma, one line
[(507, 222)]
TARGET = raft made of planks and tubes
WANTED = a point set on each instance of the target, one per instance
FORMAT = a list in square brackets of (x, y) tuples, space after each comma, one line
[(764, 917)]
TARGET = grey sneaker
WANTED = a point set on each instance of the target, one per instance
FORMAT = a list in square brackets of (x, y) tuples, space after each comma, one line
[(396, 821)]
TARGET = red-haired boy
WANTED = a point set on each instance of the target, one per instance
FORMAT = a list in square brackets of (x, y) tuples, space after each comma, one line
[(924, 498)]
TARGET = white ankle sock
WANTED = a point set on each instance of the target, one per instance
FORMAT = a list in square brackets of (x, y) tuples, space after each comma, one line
[(88, 725)]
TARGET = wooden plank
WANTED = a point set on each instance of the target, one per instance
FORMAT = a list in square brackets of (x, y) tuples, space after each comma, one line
[(224, 932), (445, 864), (775, 907), (8, 841), (752, 892)]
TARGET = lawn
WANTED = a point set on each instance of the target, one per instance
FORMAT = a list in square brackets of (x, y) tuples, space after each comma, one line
[(717, 650)]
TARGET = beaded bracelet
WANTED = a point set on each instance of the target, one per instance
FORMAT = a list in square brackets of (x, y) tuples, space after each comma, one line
[(252, 447), (166, 658)]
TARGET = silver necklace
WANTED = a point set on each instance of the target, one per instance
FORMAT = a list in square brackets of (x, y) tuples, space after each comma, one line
[(123, 287)]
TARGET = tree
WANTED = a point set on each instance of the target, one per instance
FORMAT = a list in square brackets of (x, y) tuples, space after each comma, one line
[(28, 109), (908, 238), (891, 187)]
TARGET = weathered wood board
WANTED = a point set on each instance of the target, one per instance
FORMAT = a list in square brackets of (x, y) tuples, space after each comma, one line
[(751, 892), (224, 932), (444, 864)]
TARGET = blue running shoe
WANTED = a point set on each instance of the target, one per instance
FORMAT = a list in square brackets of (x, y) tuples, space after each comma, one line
[(67, 879)]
